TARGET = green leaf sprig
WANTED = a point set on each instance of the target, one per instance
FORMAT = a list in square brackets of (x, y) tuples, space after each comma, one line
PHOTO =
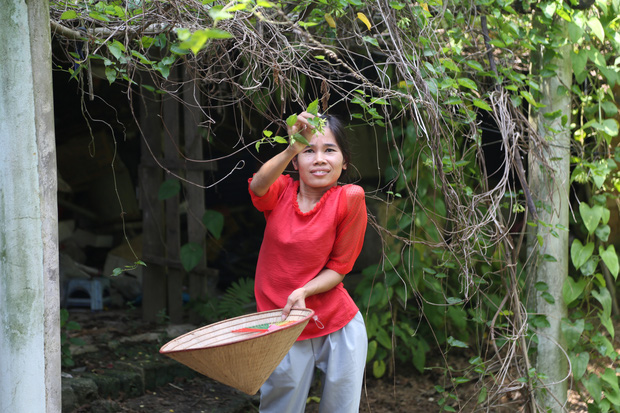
[(317, 123)]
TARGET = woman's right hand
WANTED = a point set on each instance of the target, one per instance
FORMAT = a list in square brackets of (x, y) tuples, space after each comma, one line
[(273, 168), (303, 127)]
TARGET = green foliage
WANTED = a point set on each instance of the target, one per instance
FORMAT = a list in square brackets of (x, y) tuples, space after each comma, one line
[(66, 327), (316, 123), (169, 189), (236, 301), (119, 270), (585, 341), (214, 222), (191, 253), (409, 299)]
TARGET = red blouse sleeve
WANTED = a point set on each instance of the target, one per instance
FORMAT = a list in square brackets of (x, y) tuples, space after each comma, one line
[(351, 229), (268, 201)]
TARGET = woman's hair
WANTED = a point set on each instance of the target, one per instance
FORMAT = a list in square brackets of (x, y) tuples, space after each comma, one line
[(336, 126)]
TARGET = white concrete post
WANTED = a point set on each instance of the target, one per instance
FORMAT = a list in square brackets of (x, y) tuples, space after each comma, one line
[(552, 189), (29, 298)]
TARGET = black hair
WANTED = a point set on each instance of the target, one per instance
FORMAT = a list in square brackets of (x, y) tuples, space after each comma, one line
[(337, 127)]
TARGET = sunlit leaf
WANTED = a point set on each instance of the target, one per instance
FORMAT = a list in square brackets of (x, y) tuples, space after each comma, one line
[(482, 104), (183, 34), (307, 24), (397, 5), (530, 99), (475, 65), (449, 64), (610, 258), (378, 368), (608, 126), (468, 83), (330, 20), (456, 343), (364, 19), (217, 34), (602, 232), (313, 107), (580, 253), (117, 49), (572, 331), (579, 363), (579, 61), (371, 40), (611, 378), (68, 15), (604, 298), (591, 216), (548, 9), (217, 13), (597, 57), (98, 16), (593, 384), (563, 14), (236, 7), (597, 28), (291, 120), (575, 31), (141, 57)]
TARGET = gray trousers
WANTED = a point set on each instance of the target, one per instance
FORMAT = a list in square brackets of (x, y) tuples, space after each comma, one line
[(341, 356)]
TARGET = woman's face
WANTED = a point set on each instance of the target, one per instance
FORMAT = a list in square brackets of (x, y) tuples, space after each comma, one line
[(321, 163)]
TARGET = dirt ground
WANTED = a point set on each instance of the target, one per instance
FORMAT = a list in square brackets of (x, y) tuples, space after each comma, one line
[(405, 391)]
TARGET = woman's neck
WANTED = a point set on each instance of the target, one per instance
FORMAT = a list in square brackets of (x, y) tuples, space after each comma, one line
[(308, 197)]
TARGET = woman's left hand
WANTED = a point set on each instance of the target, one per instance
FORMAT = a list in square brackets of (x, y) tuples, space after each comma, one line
[(324, 281), (297, 299)]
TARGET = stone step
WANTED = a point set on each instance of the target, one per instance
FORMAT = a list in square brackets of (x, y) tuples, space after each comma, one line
[(124, 380)]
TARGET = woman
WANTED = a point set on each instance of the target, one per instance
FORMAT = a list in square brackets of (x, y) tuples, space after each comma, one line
[(314, 233)]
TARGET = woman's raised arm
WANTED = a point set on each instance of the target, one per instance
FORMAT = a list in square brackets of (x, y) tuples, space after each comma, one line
[(273, 168)]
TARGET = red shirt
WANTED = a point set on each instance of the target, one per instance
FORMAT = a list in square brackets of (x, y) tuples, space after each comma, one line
[(298, 245)]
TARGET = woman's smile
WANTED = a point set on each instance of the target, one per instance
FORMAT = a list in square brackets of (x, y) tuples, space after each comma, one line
[(319, 172)]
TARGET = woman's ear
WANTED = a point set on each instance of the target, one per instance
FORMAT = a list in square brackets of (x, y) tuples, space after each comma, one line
[(344, 166), (294, 161)]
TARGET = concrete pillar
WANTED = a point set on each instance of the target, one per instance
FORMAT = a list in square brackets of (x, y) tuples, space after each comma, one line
[(551, 188), (29, 299)]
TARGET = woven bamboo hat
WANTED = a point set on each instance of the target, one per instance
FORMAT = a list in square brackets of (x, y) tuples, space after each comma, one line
[(241, 352)]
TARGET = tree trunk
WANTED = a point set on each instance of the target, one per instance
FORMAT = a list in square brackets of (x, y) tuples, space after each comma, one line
[(29, 296), (549, 261)]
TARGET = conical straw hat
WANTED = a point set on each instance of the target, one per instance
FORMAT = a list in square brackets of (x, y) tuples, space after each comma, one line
[(240, 359)]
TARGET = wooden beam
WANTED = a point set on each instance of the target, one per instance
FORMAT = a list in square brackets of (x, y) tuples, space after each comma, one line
[(154, 278), (170, 116)]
